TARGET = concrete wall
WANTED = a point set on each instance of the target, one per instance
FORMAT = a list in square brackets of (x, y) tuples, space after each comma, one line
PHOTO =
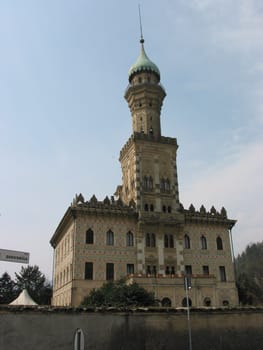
[(47, 328)]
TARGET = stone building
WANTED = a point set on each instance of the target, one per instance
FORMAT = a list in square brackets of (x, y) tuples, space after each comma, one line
[(143, 231)]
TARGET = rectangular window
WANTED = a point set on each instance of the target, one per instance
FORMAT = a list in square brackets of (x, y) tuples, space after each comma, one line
[(222, 272), (205, 270), (130, 269), (88, 271), (188, 269), (109, 271)]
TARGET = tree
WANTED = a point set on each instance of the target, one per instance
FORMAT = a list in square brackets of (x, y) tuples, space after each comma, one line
[(250, 274), (8, 290), (34, 281), (119, 294)]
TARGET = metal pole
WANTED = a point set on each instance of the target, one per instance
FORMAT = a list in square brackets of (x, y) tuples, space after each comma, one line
[(188, 313)]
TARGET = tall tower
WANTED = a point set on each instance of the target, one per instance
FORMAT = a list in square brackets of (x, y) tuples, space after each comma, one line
[(149, 172), (148, 159)]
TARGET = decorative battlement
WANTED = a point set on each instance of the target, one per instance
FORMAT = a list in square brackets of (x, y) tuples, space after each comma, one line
[(212, 216), (107, 204), (149, 138)]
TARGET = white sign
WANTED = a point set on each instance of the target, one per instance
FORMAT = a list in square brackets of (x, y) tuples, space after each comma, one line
[(14, 256)]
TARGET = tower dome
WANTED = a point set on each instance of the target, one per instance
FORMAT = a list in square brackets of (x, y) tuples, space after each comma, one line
[(143, 64)]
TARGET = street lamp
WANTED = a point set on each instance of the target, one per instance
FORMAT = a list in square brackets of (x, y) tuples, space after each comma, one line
[(187, 286)]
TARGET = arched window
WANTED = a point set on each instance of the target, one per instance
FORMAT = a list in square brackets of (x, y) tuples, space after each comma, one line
[(151, 207), (187, 244), (166, 241), (167, 270), (110, 238), (203, 242), (184, 302), (219, 243), (146, 207), (129, 239), (166, 302), (152, 240), (207, 302), (148, 240), (169, 209), (89, 236), (164, 208), (225, 303)]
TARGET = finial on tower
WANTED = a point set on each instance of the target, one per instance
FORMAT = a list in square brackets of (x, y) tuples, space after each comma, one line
[(140, 19)]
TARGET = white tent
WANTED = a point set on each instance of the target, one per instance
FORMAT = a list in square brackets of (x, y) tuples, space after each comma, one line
[(23, 299)]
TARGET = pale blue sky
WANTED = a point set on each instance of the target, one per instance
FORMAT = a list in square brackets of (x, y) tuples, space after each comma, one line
[(63, 118)]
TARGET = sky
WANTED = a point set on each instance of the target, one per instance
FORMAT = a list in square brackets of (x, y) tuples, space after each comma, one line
[(63, 119)]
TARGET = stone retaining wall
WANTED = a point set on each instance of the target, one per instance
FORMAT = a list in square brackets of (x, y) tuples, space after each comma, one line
[(44, 328)]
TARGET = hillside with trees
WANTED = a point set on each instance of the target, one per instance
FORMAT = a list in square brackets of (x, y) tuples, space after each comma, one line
[(249, 274)]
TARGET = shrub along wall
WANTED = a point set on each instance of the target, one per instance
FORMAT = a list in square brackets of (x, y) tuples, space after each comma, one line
[(45, 328)]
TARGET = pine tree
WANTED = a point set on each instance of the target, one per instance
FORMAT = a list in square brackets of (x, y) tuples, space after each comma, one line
[(8, 290), (34, 281)]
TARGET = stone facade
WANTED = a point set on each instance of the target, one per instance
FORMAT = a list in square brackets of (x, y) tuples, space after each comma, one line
[(144, 232)]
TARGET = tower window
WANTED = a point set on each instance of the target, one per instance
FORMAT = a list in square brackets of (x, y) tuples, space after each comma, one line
[(169, 209), (129, 239), (162, 185), (171, 241), (187, 244), (150, 240), (150, 183), (164, 208), (151, 207), (203, 242), (147, 183), (219, 243), (166, 241), (146, 207), (110, 238), (89, 236)]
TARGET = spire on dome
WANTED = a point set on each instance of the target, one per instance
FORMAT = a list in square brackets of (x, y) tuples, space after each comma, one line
[(140, 19), (143, 62)]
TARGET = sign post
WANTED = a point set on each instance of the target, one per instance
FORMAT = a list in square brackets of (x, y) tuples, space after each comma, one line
[(14, 256)]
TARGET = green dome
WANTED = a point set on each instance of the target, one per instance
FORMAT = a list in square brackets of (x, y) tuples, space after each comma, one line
[(143, 63)]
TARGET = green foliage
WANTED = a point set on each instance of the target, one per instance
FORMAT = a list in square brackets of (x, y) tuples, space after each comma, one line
[(119, 294), (34, 281), (8, 290), (29, 278), (250, 275)]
